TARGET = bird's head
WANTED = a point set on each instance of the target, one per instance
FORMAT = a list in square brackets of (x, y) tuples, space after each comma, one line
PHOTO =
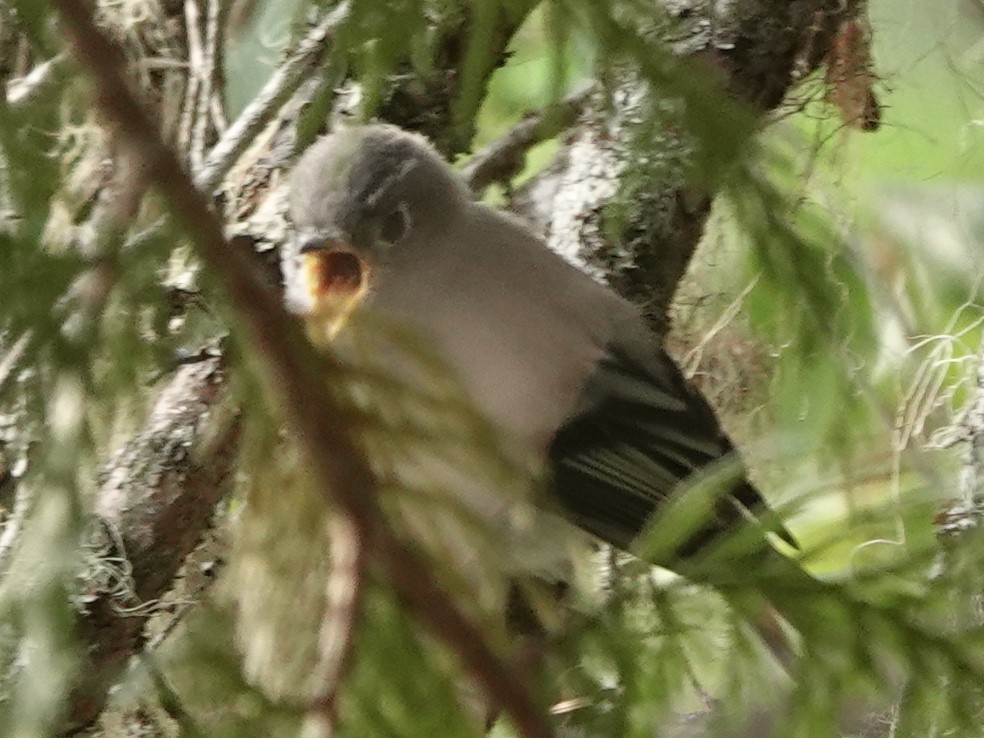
[(357, 196)]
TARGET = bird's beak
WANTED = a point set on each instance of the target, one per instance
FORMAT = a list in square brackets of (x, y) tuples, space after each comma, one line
[(337, 278)]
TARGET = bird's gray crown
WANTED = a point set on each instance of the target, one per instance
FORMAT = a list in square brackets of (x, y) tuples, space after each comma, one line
[(354, 176)]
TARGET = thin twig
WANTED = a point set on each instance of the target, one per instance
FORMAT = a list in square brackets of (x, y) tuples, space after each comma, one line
[(284, 82), (189, 108), (237, 137), (215, 41), (115, 209), (217, 111), (343, 600), (210, 56), (335, 462), (503, 158), (692, 360), (183, 608)]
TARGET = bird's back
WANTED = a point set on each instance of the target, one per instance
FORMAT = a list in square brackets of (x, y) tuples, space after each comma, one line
[(521, 328), (566, 367)]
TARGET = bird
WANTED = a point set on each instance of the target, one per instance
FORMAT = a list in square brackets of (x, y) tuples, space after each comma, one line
[(568, 373), (557, 361)]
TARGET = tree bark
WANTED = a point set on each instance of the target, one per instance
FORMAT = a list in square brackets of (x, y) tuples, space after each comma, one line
[(157, 495), (761, 50)]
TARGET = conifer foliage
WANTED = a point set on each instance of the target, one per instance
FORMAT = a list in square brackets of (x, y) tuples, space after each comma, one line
[(211, 527)]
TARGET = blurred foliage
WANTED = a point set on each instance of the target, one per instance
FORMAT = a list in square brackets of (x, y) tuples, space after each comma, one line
[(853, 263)]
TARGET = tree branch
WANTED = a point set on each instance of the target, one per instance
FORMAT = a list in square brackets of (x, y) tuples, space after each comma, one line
[(301, 63), (761, 48), (502, 159), (153, 495)]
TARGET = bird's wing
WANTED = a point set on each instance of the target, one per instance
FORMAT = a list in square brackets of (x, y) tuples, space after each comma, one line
[(639, 430)]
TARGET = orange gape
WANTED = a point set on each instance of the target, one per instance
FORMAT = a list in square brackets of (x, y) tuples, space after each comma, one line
[(338, 272), (336, 280)]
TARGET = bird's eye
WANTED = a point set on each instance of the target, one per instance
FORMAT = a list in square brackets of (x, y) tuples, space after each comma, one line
[(394, 226)]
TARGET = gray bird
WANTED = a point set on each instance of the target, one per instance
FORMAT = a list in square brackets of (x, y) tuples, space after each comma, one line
[(560, 364)]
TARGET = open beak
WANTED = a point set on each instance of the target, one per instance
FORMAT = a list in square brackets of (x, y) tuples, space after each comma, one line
[(337, 278)]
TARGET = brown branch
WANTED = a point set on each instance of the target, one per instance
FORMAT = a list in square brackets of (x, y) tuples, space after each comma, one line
[(502, 159), (334, 460), (422, 596)]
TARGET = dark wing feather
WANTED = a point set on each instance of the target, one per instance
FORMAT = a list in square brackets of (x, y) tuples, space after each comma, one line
[(639, 430)]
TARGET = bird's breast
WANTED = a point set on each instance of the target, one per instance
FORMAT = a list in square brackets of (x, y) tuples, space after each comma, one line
[(522, 358)]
